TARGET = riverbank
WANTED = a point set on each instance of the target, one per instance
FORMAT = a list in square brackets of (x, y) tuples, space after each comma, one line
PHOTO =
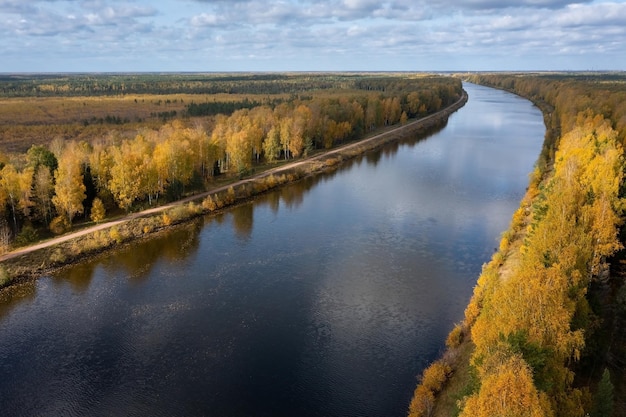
[(33, 261), (537, 334), (445, 384)]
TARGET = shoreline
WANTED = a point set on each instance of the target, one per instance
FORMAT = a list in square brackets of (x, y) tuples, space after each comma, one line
[(31, 262)]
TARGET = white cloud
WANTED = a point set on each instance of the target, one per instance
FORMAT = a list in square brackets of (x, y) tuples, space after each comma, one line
[(592, 15), (323, 34)]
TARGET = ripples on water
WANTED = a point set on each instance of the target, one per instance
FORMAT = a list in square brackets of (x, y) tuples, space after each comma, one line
[(325, 298)]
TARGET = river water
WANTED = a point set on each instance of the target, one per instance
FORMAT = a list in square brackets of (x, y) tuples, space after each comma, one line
[(324, 298)]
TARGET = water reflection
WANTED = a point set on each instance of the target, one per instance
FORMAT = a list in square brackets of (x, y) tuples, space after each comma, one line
[(243, 220), (13, 296), (137, 259)]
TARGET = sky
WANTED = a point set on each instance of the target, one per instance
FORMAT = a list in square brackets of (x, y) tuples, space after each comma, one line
[(311, 35)]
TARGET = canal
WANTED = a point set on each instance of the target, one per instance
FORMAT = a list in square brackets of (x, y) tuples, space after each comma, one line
[(324, 298)]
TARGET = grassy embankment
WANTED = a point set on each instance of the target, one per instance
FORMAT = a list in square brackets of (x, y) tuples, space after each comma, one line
[(540, 328), (232, 191)]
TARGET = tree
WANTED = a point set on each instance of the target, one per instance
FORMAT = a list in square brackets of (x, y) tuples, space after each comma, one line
[(603, 402), (25, 179), (239, 140), (286, 125), (9, 181), (125, 182), (43, 189), (17, 190), (38, 155), (100, 162), (507, 391), (271, 145), (98, 212), (69, 188)]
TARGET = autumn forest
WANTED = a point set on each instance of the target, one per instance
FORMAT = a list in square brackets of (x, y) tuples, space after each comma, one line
[(540, 335), (81, 148)]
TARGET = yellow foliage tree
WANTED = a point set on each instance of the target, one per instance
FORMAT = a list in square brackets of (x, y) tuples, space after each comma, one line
[(98, 212), (69, 187), (507, 391)]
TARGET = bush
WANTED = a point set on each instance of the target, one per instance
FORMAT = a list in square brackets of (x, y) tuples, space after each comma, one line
[(59, 225), (435, 376), (422, 402), (5, 278), (472, 311), (57, 256), (209, 204), (505, 242), (27, 235), (455, 337), (230, 196), (98, 212), (518, 219), (498, 258), (271, 181), (218, 201), (115, 235)]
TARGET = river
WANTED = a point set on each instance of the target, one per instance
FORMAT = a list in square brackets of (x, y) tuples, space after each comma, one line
[(324, 298)]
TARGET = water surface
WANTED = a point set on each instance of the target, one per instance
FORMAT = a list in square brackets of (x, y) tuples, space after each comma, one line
[(324, 298)]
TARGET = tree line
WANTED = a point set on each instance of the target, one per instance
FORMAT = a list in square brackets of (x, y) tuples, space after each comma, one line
[(531, 319), (112, 84), (51, 186)]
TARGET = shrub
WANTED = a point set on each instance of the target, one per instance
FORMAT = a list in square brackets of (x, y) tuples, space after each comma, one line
[(191, 209), (504, 244), (455, 337), (5, 237), (98, 212), (517, 221), (422, 402), (59, 225), (472, 311), (498, 258), (209, 204), (260, 186), (5, 278), (271, 181), (27, 235), (435, 376), (230, 196), (57, 256), (115, 235), (218, 201), (331, 162)]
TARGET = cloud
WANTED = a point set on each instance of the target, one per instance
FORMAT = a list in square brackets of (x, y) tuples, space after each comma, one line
[(52, 18), (308, 34), (497, 4), (577, 15), (308, 12)]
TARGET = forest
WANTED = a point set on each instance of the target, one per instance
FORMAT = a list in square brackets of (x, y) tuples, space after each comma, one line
[(543, 332), (81, 148)]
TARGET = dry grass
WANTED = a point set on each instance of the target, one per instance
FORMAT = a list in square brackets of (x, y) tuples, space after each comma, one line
[(39, 120), (67, 110)]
